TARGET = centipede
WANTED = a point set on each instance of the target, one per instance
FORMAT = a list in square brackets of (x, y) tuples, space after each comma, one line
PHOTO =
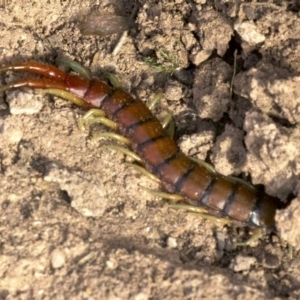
[(201, 190)]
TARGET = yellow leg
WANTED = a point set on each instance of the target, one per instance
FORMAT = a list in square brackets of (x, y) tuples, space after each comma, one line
[(65, 95), (111, 135), (243, 182), (92, 113), (167, 120), (145, 172), (204, 164), (189, 208), (125, 151), (202, 212), (76, 67), (169, 125), (212, 170), (256, 235), (94, 116), (172, 197), (113, 79), (152, 103)]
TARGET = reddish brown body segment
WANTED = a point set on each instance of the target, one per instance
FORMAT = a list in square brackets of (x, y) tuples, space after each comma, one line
[(221, 197)]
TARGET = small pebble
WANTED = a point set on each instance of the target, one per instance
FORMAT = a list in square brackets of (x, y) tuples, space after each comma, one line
[(249, 33), (24, 102), (57, 259), (171, 242), (242, 263)]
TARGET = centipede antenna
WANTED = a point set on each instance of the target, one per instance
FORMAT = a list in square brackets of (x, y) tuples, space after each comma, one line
[(125, 151), (145, 172), (167, 196), (111, 135)]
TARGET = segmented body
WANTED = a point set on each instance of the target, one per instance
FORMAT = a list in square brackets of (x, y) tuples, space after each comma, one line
[(220, 196)]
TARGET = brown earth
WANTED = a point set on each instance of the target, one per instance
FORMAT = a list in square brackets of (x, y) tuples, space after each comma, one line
[(75, 222)]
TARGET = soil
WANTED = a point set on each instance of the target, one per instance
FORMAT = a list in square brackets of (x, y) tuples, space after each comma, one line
[(76, 222)]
